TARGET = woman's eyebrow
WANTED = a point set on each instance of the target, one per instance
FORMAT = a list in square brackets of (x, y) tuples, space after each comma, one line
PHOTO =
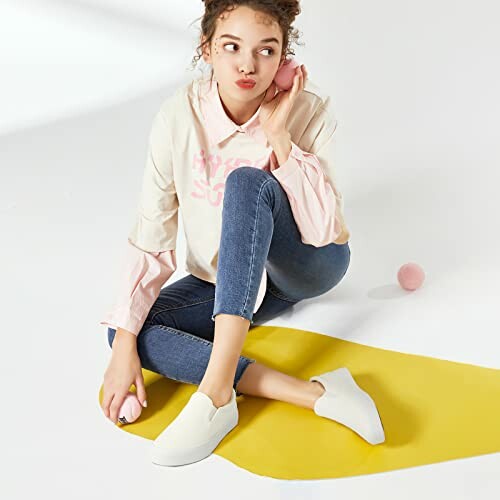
[(264, 40)]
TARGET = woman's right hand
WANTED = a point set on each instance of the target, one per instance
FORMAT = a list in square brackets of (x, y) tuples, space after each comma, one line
[(124, 370)]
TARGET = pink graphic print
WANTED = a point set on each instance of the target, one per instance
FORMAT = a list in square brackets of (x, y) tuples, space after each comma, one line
[(210, 173)]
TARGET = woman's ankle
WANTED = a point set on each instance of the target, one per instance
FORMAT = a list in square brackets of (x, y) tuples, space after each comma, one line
[(317, 388), (219, 396)]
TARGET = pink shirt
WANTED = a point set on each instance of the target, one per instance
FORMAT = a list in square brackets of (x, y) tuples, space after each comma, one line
[(316, 204)]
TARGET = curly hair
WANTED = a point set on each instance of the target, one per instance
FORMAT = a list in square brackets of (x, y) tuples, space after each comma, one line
[(283, 12)]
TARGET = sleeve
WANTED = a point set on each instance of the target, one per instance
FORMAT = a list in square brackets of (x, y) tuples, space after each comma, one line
[(309, 181), (155, 227), (151, 258), (143, 276)]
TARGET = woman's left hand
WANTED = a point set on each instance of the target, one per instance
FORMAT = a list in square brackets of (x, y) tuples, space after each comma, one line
[(275, 109)]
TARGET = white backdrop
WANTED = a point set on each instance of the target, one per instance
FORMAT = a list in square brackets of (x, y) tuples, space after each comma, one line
[(414, 86)]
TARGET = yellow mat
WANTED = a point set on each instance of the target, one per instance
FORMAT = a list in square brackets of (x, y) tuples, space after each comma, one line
[(433, 410)]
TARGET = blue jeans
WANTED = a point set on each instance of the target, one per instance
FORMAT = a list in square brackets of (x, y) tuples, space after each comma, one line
[(258, 229)]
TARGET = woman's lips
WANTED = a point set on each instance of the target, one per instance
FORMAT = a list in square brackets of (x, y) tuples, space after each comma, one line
[(245, 84)]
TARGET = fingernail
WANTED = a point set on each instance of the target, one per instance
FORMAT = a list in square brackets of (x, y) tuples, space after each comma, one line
[(145, 404)]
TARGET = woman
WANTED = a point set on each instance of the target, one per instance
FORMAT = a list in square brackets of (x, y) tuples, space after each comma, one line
[(250, 169)]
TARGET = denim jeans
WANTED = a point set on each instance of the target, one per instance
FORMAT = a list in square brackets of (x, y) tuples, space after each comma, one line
[(258, 230)]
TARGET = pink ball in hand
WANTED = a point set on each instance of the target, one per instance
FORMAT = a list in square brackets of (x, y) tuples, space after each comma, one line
[(411, 276), (130, 410), (284, 76)]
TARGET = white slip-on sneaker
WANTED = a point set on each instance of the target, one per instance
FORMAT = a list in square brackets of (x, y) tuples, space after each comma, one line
[(345, 402), (196, 431)]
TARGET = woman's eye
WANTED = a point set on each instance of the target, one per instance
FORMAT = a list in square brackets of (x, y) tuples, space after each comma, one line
[(235, 44)]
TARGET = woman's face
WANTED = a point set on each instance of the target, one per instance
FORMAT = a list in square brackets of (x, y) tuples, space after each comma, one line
[(249, 57)]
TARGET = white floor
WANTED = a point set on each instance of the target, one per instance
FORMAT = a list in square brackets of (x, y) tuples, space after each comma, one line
[(418, 163)]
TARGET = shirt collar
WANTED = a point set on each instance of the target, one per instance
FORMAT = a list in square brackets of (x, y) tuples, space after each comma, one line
[(218, 125)]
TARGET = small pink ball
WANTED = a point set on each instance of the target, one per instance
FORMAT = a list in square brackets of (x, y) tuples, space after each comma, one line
[(284, 76), (130, 409), (411, 276)]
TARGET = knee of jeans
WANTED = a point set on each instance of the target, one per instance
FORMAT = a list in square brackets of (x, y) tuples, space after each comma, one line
[(241, 175), (111, 336), (240, 178)]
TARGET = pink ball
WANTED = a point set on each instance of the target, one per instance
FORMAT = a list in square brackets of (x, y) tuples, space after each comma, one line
[(411, 276), (284, 76), (130, 410)]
